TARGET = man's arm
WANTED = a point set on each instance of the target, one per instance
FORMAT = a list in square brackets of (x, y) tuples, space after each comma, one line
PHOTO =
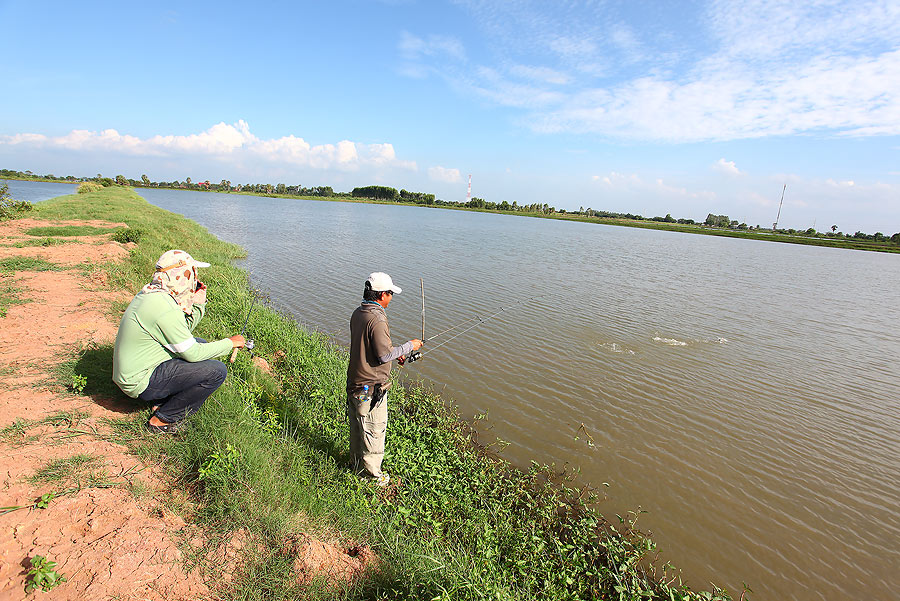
[(178, 339), (199, 308), (196, 315), (384, 350)]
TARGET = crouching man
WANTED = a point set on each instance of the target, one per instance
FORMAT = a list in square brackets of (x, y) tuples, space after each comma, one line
[(156, 358), (369, 375)]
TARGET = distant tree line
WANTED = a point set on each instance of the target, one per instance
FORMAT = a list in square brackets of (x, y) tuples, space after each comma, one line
[(424, 198), (28, 175), (392, 194)]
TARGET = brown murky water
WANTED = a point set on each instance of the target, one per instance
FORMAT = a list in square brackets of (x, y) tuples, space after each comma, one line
[(745, 394)]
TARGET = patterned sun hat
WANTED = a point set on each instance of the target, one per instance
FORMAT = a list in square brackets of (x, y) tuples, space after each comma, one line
[(177, 258)]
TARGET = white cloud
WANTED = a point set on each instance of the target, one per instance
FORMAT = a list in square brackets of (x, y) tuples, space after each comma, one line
[(853, 96), (443, 174), (543, 74), (569, 47), (726, 167), (413, 47), (222, 141), (634, 184), (773, 68)]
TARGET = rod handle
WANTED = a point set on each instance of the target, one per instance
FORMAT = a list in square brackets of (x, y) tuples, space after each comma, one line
[(233, 355)]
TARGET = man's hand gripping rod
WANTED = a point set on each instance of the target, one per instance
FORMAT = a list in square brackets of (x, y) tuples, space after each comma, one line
[(416, 355), (248, 344)]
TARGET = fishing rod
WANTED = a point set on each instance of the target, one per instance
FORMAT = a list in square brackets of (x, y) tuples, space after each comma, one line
[(416, 355), (248, 344)]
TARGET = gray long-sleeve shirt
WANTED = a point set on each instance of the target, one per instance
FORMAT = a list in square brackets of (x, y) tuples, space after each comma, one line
[(371, 350)]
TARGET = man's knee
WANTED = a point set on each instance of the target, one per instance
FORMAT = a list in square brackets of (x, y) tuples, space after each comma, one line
[(216, 372)]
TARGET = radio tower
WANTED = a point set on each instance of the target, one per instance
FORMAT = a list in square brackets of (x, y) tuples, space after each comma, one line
[(469, 190), (777, 217)]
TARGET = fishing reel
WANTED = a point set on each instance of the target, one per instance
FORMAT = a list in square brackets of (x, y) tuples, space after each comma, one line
[(413, 356), (248, 344)]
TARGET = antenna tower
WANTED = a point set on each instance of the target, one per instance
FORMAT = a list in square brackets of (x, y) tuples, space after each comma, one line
[(777, 217), (469, 190)]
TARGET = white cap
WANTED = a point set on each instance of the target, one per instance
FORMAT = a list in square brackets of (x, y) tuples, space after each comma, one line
[(380, 282)]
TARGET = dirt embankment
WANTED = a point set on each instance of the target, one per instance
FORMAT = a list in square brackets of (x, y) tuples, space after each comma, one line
[(107, 541), (108, 520)]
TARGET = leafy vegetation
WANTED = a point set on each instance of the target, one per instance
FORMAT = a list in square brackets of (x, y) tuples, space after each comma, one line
[(9, 208), (270, 454), (42, 575), (78, 383)]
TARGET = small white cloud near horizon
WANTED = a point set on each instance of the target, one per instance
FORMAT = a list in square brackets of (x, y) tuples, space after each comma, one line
[(726, 167), (224, 142), (445, 175)]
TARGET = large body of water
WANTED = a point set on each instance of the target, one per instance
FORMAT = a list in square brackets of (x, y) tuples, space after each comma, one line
[(746, 394), (37, 191)]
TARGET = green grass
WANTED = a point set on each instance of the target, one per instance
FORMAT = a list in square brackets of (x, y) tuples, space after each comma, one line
[(270, 454), (10, 295), (66, 471), (47, 241), (13, 264), (69, 230), (20, 427)]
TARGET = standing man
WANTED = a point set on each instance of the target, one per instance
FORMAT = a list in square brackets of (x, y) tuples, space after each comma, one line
[(371, 354), (156, 357)]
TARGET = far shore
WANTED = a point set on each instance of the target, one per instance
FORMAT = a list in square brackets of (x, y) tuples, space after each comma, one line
[(818, 239)]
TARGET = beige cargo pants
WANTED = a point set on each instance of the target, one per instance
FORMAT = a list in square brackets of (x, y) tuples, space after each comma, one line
[(368, 425)]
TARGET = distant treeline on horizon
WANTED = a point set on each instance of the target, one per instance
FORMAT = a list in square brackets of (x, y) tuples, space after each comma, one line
[(389, 194)]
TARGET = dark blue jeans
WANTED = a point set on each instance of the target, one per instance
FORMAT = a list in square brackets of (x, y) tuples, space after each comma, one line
[(180, 387)]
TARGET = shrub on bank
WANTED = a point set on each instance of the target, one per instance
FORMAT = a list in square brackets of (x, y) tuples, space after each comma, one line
[(128, 234), (88, 187), (10, 208)]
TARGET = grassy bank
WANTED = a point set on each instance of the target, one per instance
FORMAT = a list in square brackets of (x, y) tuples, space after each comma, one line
[(269, 454)]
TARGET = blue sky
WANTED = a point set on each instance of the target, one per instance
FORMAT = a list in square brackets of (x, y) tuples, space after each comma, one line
[(646, 107)]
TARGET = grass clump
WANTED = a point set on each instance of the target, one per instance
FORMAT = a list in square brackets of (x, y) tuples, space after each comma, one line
[(68, 230), (9, 295), (46, 241), (270, 454), (125, 235), (68, 470), (13, 264), (20, 427)]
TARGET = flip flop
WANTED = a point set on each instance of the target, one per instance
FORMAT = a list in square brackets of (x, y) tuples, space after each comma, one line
[(172, 428)]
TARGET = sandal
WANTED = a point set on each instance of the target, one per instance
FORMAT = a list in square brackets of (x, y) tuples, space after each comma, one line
[(172, 428)]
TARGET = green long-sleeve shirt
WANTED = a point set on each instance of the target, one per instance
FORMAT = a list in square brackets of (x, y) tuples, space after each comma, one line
[(154, 329)]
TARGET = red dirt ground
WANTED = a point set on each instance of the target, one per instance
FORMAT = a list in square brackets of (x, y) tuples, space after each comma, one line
[(109, 543)]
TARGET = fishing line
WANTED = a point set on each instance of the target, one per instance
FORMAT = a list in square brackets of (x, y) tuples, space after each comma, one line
[(248, 344), (480, 321)]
